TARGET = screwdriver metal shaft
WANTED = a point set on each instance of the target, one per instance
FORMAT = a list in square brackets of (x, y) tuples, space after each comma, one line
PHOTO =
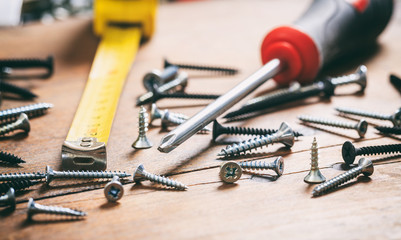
[(218, 107)]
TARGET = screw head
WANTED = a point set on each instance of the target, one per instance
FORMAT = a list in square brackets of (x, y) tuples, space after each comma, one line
[(396, 118), (367, 166), (10, 198), (217, 129), (138, 173), (285, 134), (362, 127), (31, 208), (349, 152), (361, 71), (154, 77), (114, 190), (49, 174), (279, 166), (23, 122), (165, 120), (230, 172)]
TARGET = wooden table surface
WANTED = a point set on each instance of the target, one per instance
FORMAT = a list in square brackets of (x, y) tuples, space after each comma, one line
[(225, 33)]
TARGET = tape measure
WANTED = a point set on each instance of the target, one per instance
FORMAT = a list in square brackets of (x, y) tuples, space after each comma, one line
[(121, 24)]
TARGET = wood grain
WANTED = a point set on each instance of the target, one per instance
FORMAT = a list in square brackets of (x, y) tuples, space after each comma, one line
[(224, 33)]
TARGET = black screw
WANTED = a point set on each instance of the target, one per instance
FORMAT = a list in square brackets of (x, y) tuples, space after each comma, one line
[(17, 185), (396, 81), (11, 88), (389, 130), (10, 158), (218, 129), (158, 95), (223, 70), (349, 151), (7, 65)]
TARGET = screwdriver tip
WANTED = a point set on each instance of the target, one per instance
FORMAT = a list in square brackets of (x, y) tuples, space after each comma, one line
[(168, 143)]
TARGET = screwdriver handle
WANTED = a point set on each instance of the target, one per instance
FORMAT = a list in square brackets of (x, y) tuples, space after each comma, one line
[(328, 30)]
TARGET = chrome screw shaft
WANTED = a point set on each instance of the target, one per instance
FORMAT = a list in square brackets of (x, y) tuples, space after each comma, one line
[(284, 135), (314, 175), (36, 208), (22, 123), (156, 113), (114, 190), (394, 118), (361, 127), (8, 199), (365, 166), (169, 119), (142, 142), (52, 174), (33, 110), (277, 165), (140, 173)]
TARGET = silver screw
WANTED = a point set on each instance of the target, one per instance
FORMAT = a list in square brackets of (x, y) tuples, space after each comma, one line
[(394, 118), (141, 173), (21, 176), (359, 77), (33, 110), (114, 190), (157, 78), (8, 199), (51, 174), (230, 172), (314, 175), (284, 135), (361, 127), (156, 113), (365, 166), (169, 119), (142, 142), (277, 165), (181, 81), (35, 208), (22, 123)]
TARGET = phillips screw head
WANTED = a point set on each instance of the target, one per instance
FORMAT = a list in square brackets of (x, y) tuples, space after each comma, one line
[(230, 172)]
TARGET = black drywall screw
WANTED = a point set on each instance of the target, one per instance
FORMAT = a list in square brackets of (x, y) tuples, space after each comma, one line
[(389, 130), (35, 208), (21, 176), (349, 151), (17, 185), (365, 166), (33, 110), (223, 70), (11, 88), (10, 158), (219, 129), (158, 95), (6, 65), (396, 81)]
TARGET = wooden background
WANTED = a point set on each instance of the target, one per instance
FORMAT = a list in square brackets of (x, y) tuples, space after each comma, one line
[(225, 33)]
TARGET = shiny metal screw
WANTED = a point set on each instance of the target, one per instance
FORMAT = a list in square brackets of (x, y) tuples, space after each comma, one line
[(169, 119), (114, 190), (21, 176), (394, 118), (359, 77), (156, 113), (52, 174), (157, 78), (8, 199), (33, 110), (277, 165), (22, 123), (314, 175), (142, 142), (140, 173), (223, 70), (230, 172), (349, 151), (361, 127), (179, 83), (365, 166), (284, 135), (35, 208)]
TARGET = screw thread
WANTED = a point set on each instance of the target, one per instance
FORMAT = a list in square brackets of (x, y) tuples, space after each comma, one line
[(9, 128), (337, 181), (223, 70), (248, 145), (252, 131), (389, 130), (21, 176), (38, 208), (17, 185), (27, 62), (164, 181), (371, 150), (364, 113), (280, 92), (314, 155), (10, 158), (187, 95), (143, 122), (256, 165), (33, 110), (89, 174), (327, 122), (11, 88)]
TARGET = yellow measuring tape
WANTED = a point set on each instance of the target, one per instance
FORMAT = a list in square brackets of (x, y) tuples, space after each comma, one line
[(121, 24)]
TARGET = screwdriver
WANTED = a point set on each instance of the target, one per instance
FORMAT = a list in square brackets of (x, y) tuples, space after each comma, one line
[(328, 30)]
